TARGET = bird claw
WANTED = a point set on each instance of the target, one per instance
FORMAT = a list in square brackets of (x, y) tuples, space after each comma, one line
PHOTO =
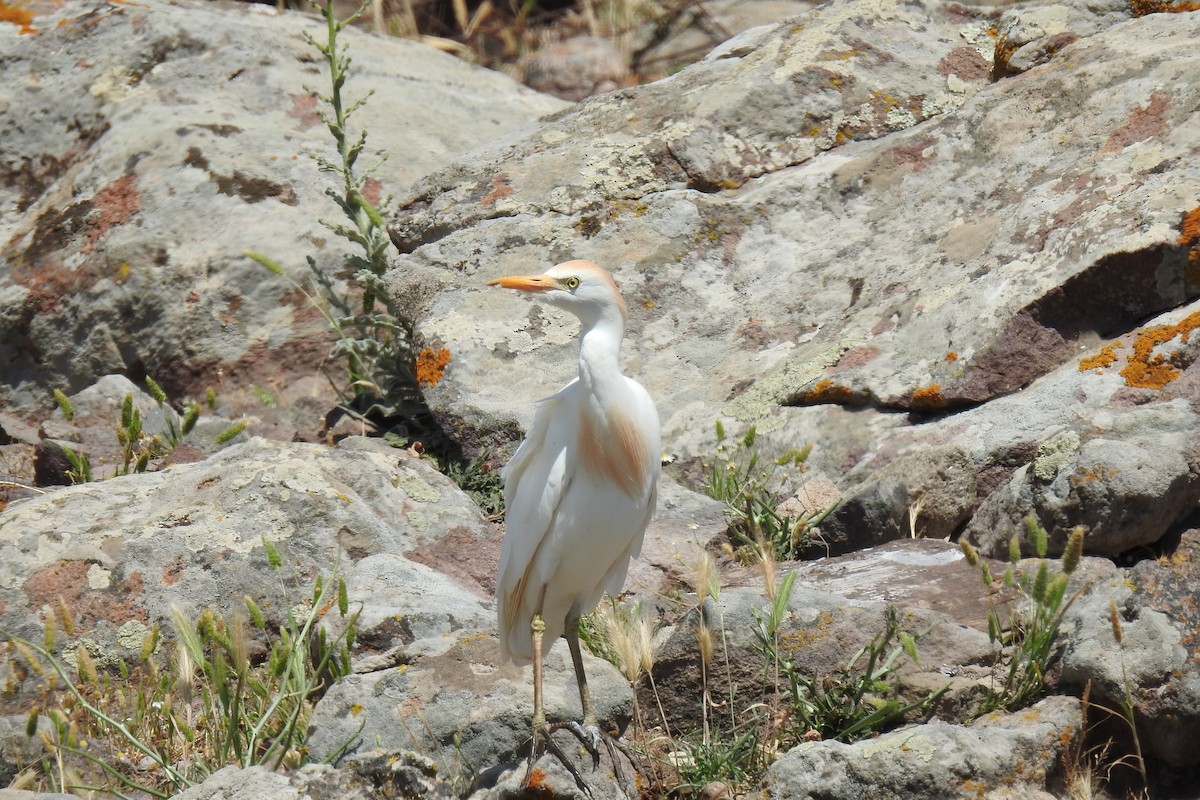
[(590, 736)]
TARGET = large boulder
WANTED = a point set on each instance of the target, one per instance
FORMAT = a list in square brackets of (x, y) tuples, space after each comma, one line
[(155, 144), (842, 230), (119, 553)]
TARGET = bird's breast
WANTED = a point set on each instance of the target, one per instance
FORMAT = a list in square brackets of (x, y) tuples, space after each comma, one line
[(611, 448)]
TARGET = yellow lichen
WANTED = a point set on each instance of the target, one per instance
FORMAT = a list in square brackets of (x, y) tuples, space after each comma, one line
[(17, 16), (1149, 370), (826, 391)]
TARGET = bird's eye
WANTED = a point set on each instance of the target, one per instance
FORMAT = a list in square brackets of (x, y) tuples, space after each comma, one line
[(571, 283)]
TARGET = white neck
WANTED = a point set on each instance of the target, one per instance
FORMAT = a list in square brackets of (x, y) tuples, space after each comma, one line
[(599, 354)]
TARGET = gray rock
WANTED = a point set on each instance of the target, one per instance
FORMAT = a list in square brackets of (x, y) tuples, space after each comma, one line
[(460, 706), (132, 193), (18, 750), (1155, 660), (927, 494), (366, 777), (998, 756), (837, 606), (19, 794), (1126, 493), (120, 552), (797, 260), (575, 68)]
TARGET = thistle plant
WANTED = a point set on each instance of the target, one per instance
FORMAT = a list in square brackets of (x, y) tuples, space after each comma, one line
[(1025, 648)]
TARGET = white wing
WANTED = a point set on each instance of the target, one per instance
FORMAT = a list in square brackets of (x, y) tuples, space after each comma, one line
[(534, 482)]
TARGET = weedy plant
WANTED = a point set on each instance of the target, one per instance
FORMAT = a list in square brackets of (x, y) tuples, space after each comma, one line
[(373, 346), (138, 447), (160, 726), (751, 487), (383, 382), (860, 700), (1026, 647), (786, 707)]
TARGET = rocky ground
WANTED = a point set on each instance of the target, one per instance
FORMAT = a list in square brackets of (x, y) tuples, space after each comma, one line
[(954, 248)]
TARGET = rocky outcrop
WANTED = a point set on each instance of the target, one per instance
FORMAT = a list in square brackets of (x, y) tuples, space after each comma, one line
[(953, 248), (189, 139), (842, 230)]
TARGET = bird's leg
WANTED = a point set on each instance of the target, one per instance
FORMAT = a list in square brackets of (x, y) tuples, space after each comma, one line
[(537, 628), (589, 734), (541, 731), (591, 726)]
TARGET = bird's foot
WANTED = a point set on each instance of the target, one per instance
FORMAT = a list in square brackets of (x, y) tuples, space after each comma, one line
[(590, 736)]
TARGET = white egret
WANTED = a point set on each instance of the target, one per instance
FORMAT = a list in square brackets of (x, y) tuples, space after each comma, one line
[(579, 491)]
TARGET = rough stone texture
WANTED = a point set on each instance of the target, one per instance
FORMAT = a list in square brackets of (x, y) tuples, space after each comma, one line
[(460, 706), (367, 777), (1158, 657), (121, 551), (837, 606), (575, 68), (1000, 755), (839, 229), (1126, 493), (923, 494), (124, 214), (684, 34)]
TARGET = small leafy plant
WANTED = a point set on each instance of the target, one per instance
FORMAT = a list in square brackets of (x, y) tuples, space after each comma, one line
[(1025, 648), (137, 447), (160, 726), (751, 488), (860, 700)]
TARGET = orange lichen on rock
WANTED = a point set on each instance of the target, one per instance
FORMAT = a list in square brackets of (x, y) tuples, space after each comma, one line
[(1149, 370), (431, 365), (1106, 356), (1141, 8), (826, 391), (928, 397), (951, 357), (20, 17), (1189, 236)]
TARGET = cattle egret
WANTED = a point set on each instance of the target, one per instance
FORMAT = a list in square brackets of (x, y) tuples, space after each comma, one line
[(579, 491)]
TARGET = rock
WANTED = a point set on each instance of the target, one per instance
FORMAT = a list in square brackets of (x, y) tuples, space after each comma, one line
[(92, 431), (925, 494), (837, 606), (891, 315), (1126, 493), (111, 272), (684, 34), (18, 794), (366, 777), (1029, 36), (120, 552), (18, 750), (575, 68), (460, 706), (998, 756), (1155, 660)]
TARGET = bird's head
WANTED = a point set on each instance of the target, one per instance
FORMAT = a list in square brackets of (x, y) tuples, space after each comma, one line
[(581, 287)]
